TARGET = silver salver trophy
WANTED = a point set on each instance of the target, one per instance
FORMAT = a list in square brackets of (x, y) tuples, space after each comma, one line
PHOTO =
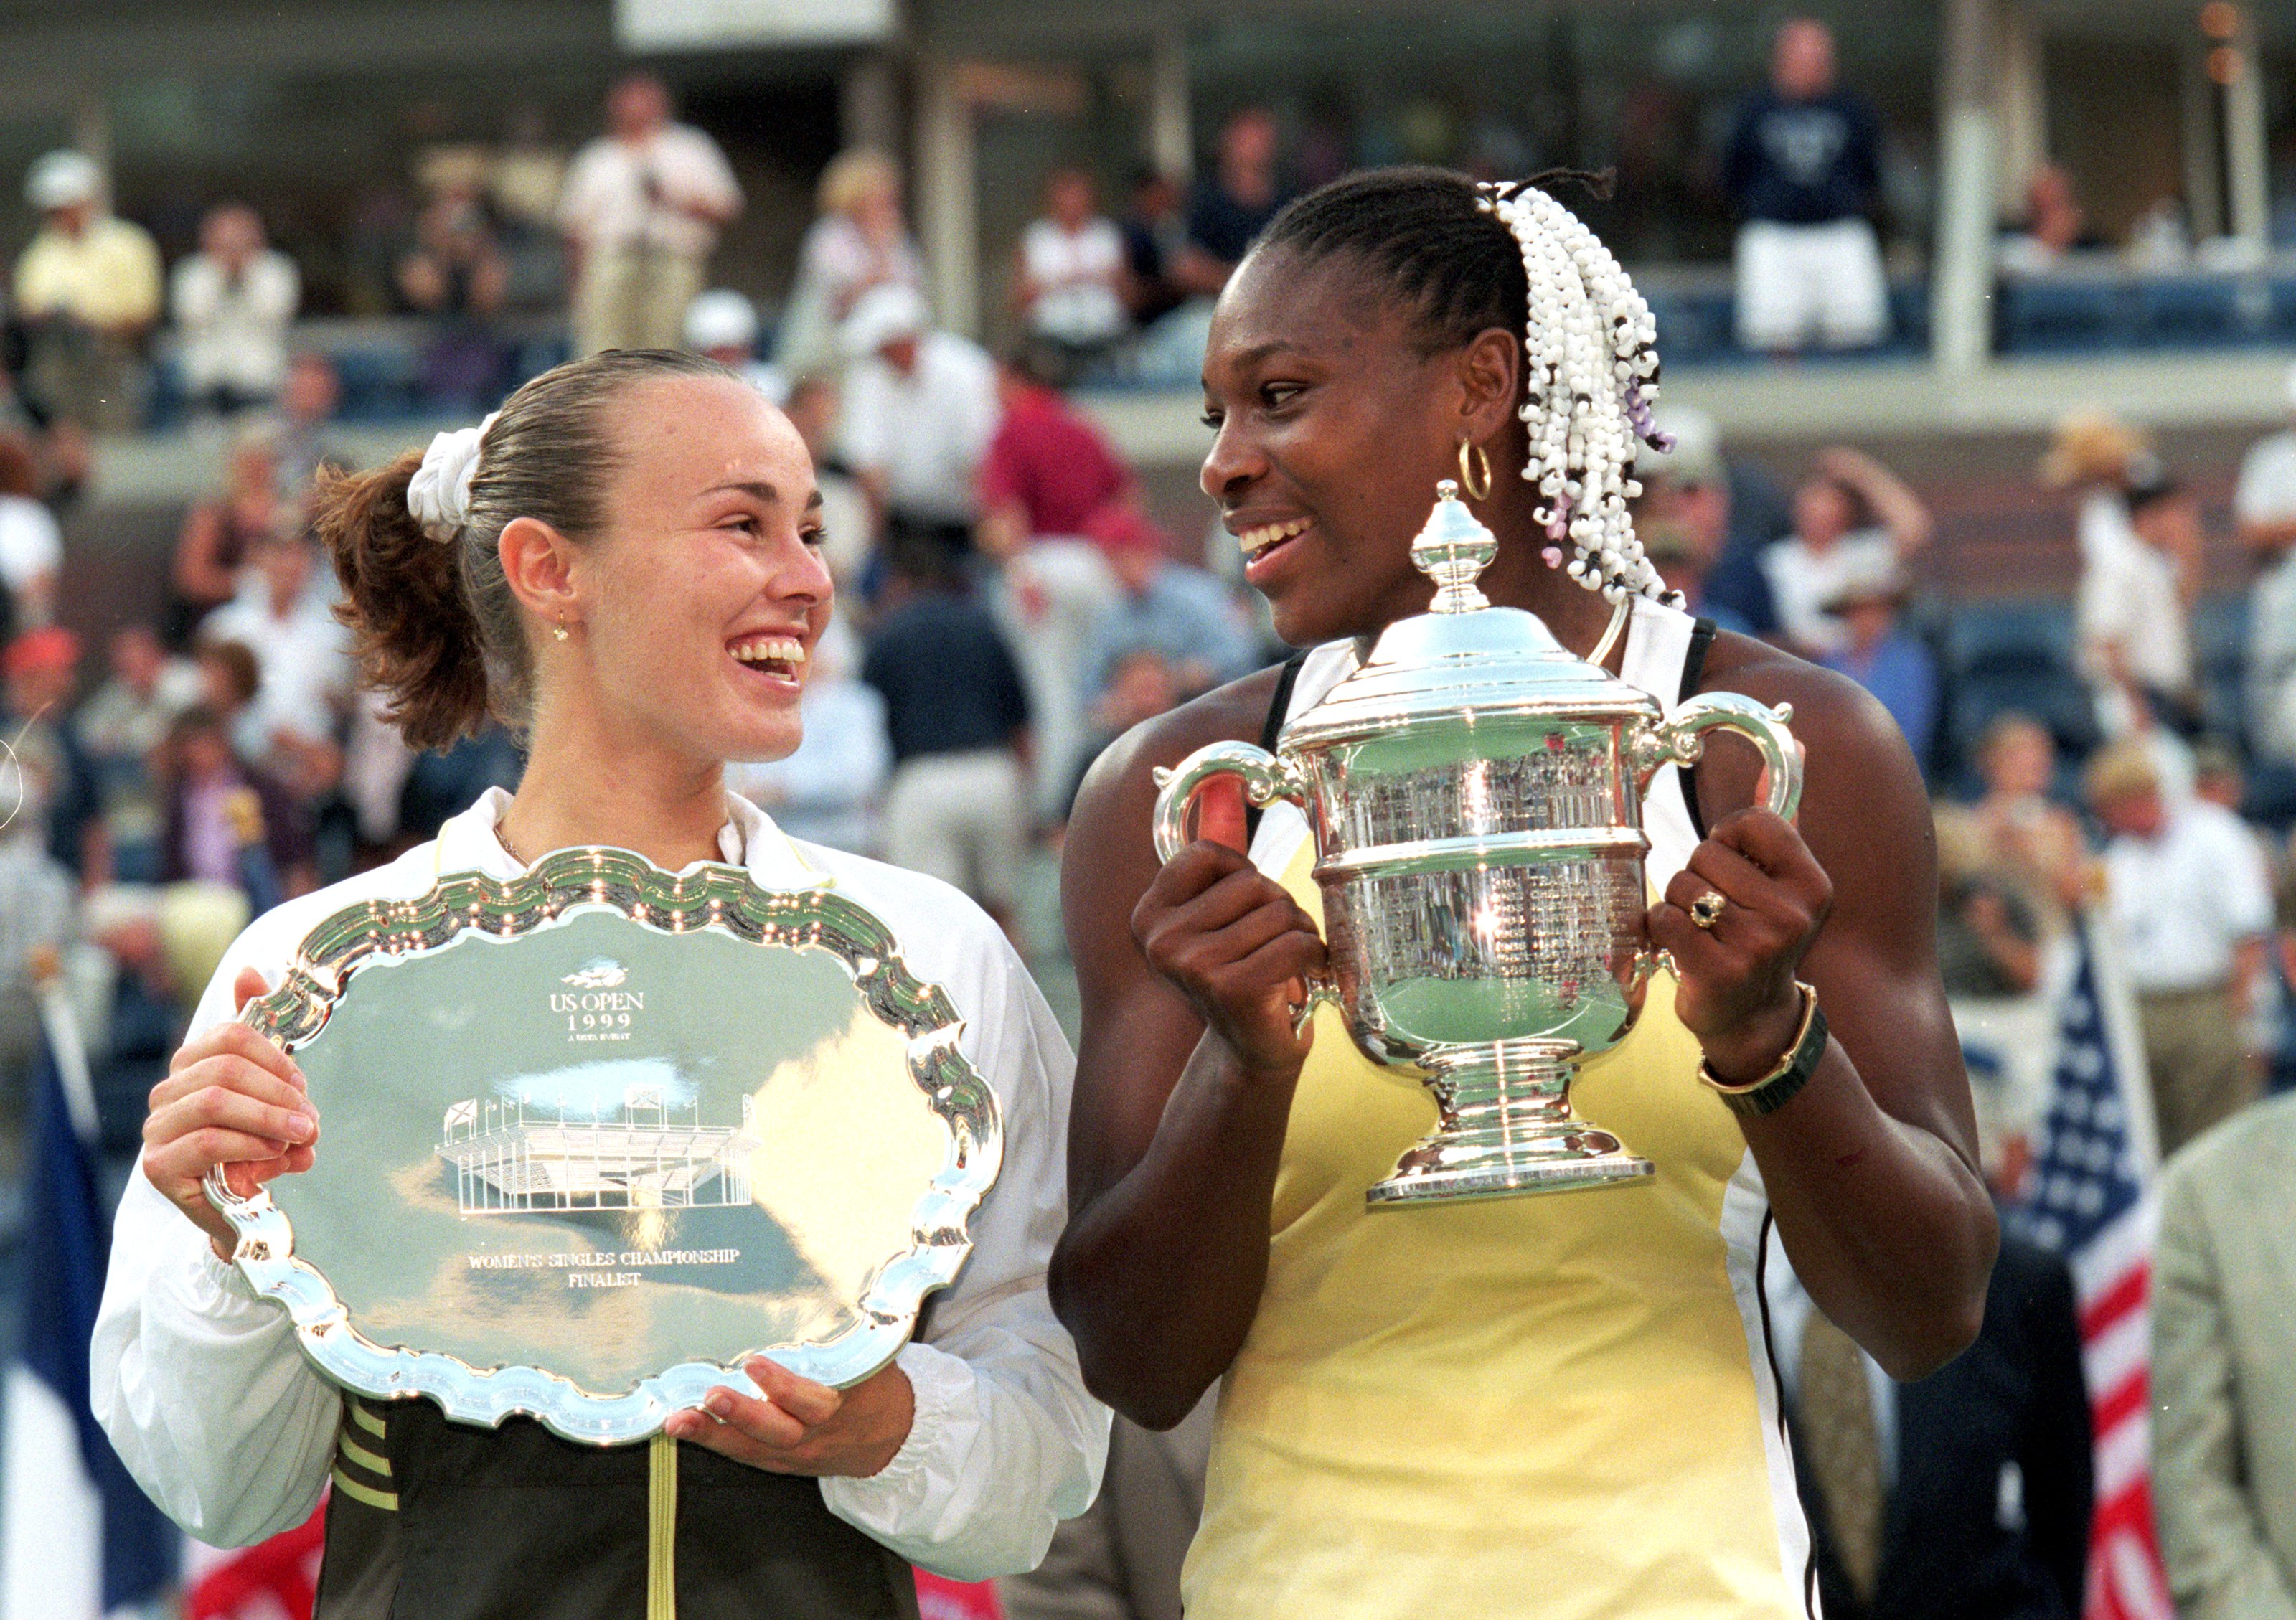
[(594, 1136), (1475, 796)]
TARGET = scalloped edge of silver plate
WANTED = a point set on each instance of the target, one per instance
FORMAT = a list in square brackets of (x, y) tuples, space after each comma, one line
[(708, 895)]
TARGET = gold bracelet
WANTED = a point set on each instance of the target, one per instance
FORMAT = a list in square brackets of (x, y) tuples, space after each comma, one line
[(1795, 1056)]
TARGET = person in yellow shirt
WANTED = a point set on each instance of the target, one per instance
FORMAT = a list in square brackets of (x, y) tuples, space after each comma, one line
[(1560, 1408), (87, 289)]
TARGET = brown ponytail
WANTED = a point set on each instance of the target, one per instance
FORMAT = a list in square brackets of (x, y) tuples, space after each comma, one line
[(439, 629), (404, 599)]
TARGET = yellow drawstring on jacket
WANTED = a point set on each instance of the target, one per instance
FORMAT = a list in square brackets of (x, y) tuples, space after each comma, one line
[(661, 1528)]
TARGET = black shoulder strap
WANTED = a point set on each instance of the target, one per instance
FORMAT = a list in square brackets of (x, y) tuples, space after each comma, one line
[(1693, 669), (1271, 728)]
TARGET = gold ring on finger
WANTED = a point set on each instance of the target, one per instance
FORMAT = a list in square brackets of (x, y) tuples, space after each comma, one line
[(1706, 911)]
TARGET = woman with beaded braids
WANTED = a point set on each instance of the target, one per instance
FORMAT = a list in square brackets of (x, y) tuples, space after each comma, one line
[(1528, 1406), (624, 563)]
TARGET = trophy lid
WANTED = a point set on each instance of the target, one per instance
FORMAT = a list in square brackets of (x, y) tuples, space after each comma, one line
[(1462, 656)]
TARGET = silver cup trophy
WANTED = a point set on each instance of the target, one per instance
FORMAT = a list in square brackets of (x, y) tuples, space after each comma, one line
[(1475, 795)]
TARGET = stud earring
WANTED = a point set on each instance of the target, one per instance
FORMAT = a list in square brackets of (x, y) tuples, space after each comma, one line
[(1477, 489)]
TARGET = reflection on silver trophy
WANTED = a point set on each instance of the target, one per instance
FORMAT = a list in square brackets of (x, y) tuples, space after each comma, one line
[(507, 1156), (1475, 795)]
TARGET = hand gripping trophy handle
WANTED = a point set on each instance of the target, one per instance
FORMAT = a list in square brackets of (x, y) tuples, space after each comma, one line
[(1264, 779), (1681, 739)]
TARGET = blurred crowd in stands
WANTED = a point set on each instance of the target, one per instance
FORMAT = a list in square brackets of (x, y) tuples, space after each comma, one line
[(1009, 605), (499, 259), (2115, 788), (515, 256)]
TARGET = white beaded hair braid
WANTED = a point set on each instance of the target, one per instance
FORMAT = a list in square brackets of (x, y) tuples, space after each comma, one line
[(1589, 347)]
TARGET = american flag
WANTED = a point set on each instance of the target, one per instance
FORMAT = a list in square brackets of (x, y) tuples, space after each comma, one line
[(2090, 1199)]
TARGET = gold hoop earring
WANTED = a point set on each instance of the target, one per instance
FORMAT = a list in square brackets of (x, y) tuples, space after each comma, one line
[(1478, 489), (558, 631)]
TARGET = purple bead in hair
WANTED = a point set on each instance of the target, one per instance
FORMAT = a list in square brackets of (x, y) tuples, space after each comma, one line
[(1645, 426)]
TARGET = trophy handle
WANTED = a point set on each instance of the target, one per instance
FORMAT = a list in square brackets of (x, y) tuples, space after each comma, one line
[(1266, 778), (1682, 740)]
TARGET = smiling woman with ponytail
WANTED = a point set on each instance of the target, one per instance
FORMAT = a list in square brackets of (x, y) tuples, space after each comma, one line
[(623, 565)]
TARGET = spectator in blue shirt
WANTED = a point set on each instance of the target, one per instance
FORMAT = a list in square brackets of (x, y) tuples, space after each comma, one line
[(956, 715), (1881, 656), (1228, 207), (1165, 607), (1728, 512), (1802, 168)]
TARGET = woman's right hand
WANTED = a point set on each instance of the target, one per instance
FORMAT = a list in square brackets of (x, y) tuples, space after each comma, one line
[(1238, 947), (232, 1099)]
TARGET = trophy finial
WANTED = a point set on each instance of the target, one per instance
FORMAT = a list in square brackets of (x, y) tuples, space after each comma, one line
[(1453, 550)]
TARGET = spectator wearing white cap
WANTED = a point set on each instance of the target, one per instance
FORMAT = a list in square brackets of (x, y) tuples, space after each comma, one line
[(921, 407), (641, 209), (722, 325), (2264, 505), (87, 289), (231, 302), (1879, 653)]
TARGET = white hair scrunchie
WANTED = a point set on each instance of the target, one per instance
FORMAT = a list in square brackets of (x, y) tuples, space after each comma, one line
[(438, 495)]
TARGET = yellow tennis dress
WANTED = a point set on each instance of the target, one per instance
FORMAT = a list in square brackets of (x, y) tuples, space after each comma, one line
[(1558, 1407)]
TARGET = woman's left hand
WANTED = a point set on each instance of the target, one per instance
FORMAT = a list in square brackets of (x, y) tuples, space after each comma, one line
[(1736, 990), (801, 1427)]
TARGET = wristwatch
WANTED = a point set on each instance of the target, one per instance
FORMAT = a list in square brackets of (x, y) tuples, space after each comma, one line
[(1780, 1086)]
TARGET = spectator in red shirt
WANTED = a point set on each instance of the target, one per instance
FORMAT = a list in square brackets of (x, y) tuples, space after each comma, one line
[(1048, 468), (1047, 471)]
